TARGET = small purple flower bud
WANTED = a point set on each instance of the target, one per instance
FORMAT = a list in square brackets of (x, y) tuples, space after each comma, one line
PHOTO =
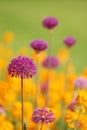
[(38, 45), (80, 82), (51, 62), (50, 22), (44, 87), (69, 41)]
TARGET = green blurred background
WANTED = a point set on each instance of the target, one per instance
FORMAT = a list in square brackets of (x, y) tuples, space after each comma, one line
[(24, 17)]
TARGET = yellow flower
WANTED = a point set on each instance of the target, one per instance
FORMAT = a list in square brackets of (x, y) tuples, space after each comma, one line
[(71, 118), (8, 37), (6, 125), (16, 110), (81, 99), (57, 111), (29, 89), (2, 63), (42, 56), (63, 55)]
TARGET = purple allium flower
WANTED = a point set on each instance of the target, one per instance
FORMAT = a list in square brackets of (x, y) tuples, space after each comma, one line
[(51, 62), (43, 116), (71, 105), (69, 41), (38, 45), (44, 87), (2, 110), (50, 22), (21, 67), (80, 82)]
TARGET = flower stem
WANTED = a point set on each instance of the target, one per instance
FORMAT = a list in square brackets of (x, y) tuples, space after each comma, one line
[(67, 73), (22, 103), (37, 82), (49, 68), (41, 127)]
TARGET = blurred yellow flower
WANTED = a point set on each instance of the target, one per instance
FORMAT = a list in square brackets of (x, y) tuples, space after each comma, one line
[(2, 63), (16, 110), (63, 55), (8, 37), (42, 56)]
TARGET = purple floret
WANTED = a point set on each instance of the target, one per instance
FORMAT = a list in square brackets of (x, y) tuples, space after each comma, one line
[(50, 22)]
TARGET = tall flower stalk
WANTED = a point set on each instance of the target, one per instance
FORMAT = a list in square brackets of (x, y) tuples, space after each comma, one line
[(38, 45), (53, 64), (22, 67), (49, 23), (37, 81), (67, 72), (49, 68), (69, 42), (22, 102)]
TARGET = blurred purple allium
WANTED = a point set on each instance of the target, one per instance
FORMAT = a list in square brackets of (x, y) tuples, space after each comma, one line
[(2, 110), (69, 41), (21, 67), (50, 22), (51, 62), (43, 116), (44, 87), (80, 82), (38, 45), (71, 105)]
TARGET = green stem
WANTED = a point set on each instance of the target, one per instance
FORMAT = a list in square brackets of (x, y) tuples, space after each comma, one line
[(37, 82), (67, 73), (49, 68), (22, 102), (41, 127)]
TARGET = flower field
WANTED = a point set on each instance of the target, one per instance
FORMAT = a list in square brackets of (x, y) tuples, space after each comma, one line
[(43, 66)]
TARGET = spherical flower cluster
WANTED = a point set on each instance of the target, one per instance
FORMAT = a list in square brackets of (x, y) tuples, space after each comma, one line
[(80, 82), (38, 45), (69, 41), (50, 22), (2, 110), (71, 105), (44, 87), (43, 116), (21, 67), (51, 62)]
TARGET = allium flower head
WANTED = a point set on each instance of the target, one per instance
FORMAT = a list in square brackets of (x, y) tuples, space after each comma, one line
[(80, 82), (21, 67), (43, 116), (50, 22), (44, 87), (38, 45), (2, 110), (71, 105), (69, 41), (51, 62)]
